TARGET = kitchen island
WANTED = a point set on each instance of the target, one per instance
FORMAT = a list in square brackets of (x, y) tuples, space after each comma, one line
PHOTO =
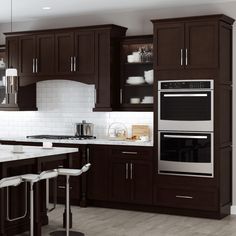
[(32, 160)]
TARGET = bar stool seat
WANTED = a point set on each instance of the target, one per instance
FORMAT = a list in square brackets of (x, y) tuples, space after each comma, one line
[(68, 173), (32, 179), (10, 181)]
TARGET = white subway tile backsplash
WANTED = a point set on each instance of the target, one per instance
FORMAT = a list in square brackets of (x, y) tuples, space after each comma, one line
[(61, 104)]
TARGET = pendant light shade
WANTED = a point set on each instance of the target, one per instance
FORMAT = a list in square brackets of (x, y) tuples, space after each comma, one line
[(11, 71)]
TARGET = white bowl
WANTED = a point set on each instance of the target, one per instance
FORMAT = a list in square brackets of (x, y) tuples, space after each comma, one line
[(135, 80), (134, 100), (130, 58)]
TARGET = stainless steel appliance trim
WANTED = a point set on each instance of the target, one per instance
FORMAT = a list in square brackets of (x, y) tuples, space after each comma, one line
[(126, 170), (131, 153), (185, 136), (183, 196), (181, 56), (186, 95), (186, 167)]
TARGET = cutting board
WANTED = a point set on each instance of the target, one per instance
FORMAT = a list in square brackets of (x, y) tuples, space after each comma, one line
[(140, 130)]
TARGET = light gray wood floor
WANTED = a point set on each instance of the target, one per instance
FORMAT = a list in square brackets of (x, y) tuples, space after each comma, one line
[(109, 222)]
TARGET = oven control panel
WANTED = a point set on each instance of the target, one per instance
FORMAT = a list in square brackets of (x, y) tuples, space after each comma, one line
[(186, 85)]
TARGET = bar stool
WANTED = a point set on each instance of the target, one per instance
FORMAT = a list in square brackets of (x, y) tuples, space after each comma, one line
[(32, 179), (13, 182), (68, 173)]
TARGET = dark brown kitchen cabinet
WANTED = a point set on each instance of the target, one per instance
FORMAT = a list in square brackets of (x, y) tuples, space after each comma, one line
[(75, 54), (131, 175), (107, 82), (36, 55), (98, 175), (22, 96), (188, 43)]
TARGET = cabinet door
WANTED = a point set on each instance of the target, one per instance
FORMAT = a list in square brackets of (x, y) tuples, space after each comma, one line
[(120, 183), (201, 45), (169, 42), (84, 63), (64, 52), (141, 181), (27, 55), (45, 54), (98, 175)]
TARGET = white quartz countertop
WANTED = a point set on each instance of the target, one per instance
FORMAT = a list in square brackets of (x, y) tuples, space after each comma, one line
[(98, 141), (29, 152)]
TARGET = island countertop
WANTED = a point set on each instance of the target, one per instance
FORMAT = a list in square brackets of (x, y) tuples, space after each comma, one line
[(6, 152)]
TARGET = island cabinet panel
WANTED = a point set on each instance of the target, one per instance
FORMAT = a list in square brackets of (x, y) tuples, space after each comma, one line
[(98, 175)]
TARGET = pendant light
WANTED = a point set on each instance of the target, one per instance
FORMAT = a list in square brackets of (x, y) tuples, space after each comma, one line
[(11, 71)]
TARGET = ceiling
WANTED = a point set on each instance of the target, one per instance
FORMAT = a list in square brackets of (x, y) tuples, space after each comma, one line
[(26, 10)]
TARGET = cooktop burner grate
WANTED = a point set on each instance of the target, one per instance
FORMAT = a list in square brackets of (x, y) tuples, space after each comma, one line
[(68, 137)]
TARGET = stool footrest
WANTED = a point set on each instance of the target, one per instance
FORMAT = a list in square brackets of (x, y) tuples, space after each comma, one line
[(63, 233)]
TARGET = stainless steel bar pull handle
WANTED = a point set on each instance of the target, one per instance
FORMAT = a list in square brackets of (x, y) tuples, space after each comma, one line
[(185, 136), (126, 171), (186, 56), (74, 63), (95, 95), (88, 155), (131, 153), (33, 65), (131, 170), (121, 96), (181, 56), (183, 196), (36, 65), (186, 95), (71, 64)]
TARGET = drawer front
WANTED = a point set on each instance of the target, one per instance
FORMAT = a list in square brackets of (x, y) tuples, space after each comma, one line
[(186, 198), (132, 152)]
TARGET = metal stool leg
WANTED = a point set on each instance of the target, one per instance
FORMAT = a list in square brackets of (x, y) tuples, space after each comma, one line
[(31, 209), (67, 232)]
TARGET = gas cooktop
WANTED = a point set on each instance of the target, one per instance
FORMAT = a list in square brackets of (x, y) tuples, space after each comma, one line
[(60, 137)]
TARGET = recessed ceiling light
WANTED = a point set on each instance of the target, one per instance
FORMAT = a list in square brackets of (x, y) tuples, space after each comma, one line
[(46, 8)]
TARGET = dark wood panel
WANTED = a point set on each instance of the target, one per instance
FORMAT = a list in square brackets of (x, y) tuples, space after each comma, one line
[(45, 54), (201, 42), (27, 54), (168, 43), (98, 175), (64, 52)]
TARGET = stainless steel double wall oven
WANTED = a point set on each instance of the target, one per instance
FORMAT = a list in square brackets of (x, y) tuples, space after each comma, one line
[(186, 127)]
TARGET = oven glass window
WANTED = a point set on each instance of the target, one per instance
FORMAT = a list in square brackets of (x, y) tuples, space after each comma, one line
[(186, 106), (182, 147)]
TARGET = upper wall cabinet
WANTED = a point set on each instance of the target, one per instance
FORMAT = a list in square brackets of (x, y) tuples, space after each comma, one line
[(188, 45), (75, 53), (36, 55)]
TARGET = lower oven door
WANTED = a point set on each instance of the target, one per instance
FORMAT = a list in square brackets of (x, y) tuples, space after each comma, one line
[(185, 153)]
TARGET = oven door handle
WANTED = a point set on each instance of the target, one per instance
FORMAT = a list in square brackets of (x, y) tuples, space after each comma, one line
[(186, 95), (185, 136)]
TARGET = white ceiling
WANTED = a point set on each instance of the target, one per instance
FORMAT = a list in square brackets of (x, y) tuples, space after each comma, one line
[(25, 10)]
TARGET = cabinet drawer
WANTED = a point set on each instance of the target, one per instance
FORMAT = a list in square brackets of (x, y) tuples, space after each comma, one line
[(186, 198), (132, 152)]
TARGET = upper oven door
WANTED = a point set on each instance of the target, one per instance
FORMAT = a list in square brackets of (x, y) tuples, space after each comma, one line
[(186, 153), (180, 110)]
